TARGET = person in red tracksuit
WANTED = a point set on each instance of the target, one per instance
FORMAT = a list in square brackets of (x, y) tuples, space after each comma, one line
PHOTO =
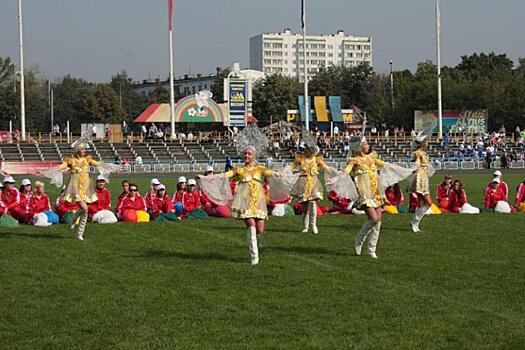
[(103, 201), (520, 194), (39, 201), (25, 194), (458, 197), (124, 194), (177, 196), (11, 199), (443, 193), (339, 204), (62, 206), (413, 203), (191, 199), (504, 188), (133, 201), (394, 195), (150, 196), (162, 202), (211, 208), (2, 208), (494, 194)]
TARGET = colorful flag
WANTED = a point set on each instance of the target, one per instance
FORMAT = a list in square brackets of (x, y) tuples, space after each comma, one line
[(170, 9)]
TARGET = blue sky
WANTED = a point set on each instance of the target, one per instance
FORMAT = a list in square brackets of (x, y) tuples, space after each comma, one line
[(93, 39)]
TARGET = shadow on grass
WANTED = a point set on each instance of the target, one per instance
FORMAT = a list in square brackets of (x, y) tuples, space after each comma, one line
[(305, 250), (162, 254), (6, 235)]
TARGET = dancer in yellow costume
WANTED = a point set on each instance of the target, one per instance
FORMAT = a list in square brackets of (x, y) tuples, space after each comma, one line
[(419, 181), (80, 188), (249, 201), (307, 189)]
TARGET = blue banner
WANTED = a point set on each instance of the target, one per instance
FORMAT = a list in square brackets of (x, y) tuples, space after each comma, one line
[(334, 103), (300, 101)]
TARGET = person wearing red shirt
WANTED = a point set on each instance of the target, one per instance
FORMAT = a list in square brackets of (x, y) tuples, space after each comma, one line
[(2, 207), (131, 204), (211, 208), (11, 199), (25, 195), (150, 196), (520, 195), (103, 201), (191, 199), (39, 201), (504, 188), (413, 203), (124, 194), (495, 194), (443, 193), (162, 206), (394, 195), (177, 196), (458, 197), (339, 204)]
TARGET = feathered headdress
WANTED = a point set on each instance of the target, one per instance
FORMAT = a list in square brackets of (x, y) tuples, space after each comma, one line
[(82, 142), (309, 141), (428, 128), (356, 142), (251, 136)]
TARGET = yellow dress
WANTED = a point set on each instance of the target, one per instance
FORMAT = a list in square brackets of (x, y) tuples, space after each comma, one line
[(419, 183), (249, 200), (80, 187), (308, 187), (363, 171)]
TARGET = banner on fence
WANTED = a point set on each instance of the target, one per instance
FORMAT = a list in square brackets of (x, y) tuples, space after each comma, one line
[(472, 122), (18, 168)]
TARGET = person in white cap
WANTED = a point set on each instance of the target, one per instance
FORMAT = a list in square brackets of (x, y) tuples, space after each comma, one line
[(26, 192), (177, 196), (80, 188), (149, 197), (420, 180), (163, 207), (191, 200), (496, 196), (503, 185), (11, 199), (100, 210)]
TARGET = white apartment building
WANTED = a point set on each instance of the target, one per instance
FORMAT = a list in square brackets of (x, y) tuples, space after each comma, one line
[(283, 52)]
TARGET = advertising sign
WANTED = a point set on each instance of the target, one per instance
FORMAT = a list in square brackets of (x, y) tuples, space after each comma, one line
[(471, 122), (237, 102)]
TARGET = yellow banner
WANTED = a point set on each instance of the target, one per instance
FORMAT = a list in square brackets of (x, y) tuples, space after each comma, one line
[(320, 108)]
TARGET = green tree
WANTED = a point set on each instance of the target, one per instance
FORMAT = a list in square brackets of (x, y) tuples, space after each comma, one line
[(217, 88), (273, 96)]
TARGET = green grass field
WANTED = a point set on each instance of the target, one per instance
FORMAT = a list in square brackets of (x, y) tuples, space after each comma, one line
[(189, 285)]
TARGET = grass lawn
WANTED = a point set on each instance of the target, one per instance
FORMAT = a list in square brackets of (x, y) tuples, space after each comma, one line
[(188, 285)]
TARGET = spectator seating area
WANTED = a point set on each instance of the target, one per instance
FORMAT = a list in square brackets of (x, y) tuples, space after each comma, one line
[(189, 154)]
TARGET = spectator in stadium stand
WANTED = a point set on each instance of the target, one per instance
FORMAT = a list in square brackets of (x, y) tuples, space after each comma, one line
[(39, 203), (162, 206), (443, 193), (177, 196), (138, 160), (117, 159), (229, 163), (496, 193), (133, 207), (505, 160), (211, 208), (458, 197), (25, 194), (446, 139), (503, 185), (125, 192), (520, 197), (100, 211), (64, 209), (149, 197), (11, 199), (143, 130), (190, 136), (336, 131)]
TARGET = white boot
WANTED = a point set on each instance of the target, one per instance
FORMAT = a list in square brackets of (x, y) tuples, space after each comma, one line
[(251, 238), (374, 237), (361, 236), (82, 226), (77, 214), (420, 212), (306, 220), (312, 207)]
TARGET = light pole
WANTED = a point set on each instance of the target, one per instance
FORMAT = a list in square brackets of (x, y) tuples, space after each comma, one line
[(22, 84), (438, 54), (306, 102), (392, 87)]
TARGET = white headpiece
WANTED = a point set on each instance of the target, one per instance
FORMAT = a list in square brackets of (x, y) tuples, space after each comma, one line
[(427, 130), (309, 141), (251, 137), (356, 142), (82, 142)]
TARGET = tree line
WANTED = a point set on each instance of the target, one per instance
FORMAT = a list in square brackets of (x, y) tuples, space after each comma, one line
[(479, 81)]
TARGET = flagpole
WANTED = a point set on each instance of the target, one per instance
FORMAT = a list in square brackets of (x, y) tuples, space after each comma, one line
[(22, 84), (438, 53), (172, 88), (306, 102)]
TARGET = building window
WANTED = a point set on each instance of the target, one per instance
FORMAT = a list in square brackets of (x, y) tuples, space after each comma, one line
[(267, 53)]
